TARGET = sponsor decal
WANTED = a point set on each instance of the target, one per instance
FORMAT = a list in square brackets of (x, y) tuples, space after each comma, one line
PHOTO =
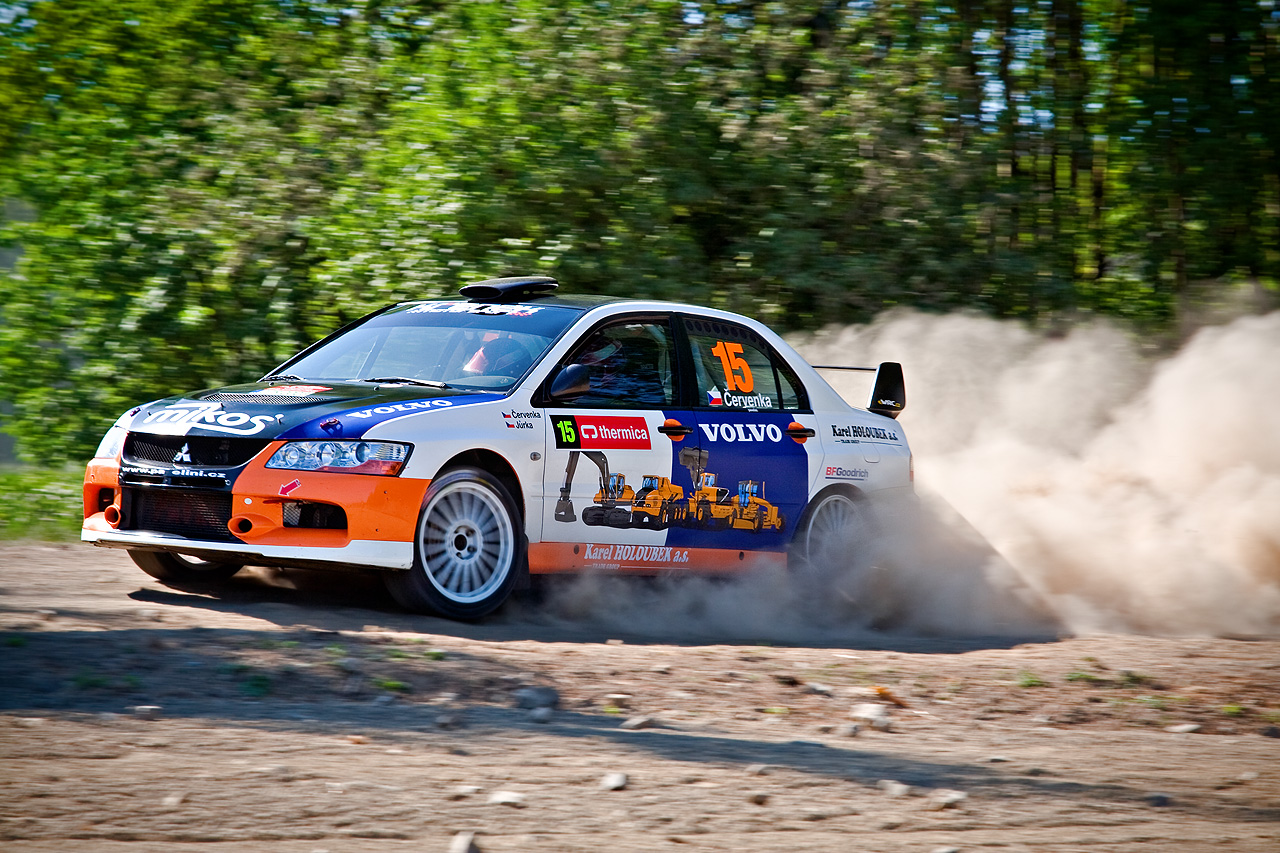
[(474, 308), (169, 473), (520, 420), (185, 416), (415, 406), (742, 432), (288, 488), (857, 431), (835, 472), (748, 401), (737, 373), (615, 556), (292, 390), (353, 423), (601, 432), (891, 403)]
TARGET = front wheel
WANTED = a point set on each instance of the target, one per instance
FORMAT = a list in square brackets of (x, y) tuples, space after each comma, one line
[(468, 551), (177, 569)]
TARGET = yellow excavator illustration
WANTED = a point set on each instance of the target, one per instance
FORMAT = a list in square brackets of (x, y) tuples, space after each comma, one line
[(658, 504), (713, 507), (612, 503)]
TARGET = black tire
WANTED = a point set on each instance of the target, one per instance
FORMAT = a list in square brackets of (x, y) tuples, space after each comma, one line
[(469, 549), (177, 569)]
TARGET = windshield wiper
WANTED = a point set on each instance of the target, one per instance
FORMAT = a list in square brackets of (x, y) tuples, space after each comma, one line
[(280, 376), (404, 380)]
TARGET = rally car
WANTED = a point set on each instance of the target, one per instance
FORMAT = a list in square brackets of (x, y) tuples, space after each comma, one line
[(440, 442)]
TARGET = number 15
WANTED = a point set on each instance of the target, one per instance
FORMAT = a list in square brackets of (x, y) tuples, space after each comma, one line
[(737, 374)]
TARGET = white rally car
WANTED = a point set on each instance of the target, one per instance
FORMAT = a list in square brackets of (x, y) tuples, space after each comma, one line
[(444, 442)]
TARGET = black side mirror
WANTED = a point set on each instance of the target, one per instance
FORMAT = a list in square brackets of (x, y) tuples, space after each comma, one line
[(570, 383), (889, 394)]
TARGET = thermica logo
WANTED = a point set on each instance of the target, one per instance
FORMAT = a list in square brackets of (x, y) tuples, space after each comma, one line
[(742, 432), (591, 432)]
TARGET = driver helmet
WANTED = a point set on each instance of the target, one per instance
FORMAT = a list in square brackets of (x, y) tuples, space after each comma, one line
[(498, 357)]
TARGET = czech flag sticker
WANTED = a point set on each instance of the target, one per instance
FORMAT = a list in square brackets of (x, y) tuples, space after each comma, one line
[(714, 398)]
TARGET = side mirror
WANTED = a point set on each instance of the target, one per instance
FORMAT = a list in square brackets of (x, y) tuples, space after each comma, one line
[(889, 394), (571, 382)]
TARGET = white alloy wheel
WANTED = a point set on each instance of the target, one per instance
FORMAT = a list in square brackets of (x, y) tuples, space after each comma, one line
[(837, 530), (469, 549), (467, 541)]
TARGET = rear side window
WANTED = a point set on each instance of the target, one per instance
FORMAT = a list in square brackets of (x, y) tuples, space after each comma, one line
[(736, 369)]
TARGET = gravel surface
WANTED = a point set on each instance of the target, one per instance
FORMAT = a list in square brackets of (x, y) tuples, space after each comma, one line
[(303, 712)]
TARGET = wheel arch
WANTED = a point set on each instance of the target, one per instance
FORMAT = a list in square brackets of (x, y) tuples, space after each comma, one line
[(495, 464)]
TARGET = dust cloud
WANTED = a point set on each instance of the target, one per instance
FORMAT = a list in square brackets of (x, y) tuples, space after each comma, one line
[(1120, 490), (1076, 482)]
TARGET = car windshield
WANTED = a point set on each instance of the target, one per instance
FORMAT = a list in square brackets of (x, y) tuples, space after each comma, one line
[(466, 345)]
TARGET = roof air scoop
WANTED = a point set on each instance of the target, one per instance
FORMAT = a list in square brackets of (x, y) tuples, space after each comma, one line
[(509, 289)]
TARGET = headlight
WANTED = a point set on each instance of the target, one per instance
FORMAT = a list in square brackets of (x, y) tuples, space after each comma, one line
[(346, 457), (109, 447)]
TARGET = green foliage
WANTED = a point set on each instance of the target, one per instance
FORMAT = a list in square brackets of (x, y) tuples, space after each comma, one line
[(40, 504), (392, 685), (1028, 679), (217, 183)]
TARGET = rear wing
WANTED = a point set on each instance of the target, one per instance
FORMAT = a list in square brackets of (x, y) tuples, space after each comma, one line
[(888, 393)]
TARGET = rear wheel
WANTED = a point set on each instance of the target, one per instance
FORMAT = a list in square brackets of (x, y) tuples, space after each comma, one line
[(469, 548), (175, 568), (832, 533)]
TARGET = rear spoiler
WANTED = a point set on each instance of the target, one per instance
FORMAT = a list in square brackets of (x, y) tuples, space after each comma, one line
[(888, 394)]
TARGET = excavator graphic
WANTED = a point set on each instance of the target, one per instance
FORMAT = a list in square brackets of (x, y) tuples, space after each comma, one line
[(612, 505), (660, 503), (712, 507)]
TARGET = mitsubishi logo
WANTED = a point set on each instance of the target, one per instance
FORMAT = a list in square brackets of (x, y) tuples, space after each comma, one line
[(183, 455)]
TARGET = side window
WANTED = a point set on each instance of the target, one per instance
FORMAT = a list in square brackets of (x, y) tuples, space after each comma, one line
[(632, 365), (736, 369)]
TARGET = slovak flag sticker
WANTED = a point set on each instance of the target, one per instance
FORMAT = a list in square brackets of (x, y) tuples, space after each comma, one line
[(714, 398)]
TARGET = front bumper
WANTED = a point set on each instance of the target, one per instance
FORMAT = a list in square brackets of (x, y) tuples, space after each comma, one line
[(380, 513), (360, 552)]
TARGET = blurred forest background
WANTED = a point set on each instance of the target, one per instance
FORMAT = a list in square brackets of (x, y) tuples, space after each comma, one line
[(194, 189)]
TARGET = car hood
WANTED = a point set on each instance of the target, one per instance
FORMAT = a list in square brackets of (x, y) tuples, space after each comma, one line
[(299, 410)]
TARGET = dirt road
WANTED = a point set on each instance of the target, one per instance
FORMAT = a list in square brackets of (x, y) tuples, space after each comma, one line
[(299, 713)]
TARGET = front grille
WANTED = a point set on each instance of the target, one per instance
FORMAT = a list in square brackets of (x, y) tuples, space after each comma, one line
[(191, 451), (196, 515)]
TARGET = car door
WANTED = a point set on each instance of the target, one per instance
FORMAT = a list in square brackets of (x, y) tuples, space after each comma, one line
[(749, 479), (608, 456)]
